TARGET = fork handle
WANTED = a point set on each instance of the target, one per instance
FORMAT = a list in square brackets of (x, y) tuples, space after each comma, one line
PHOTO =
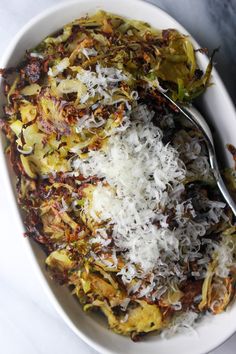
[(220, 182)]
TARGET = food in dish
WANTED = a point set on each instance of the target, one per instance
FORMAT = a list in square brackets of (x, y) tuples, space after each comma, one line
[(113, 182)]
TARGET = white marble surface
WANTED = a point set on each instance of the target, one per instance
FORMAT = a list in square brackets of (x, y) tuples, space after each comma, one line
[(28, 322)]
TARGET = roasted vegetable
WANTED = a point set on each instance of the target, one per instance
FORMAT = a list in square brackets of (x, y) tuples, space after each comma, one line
[(88, 131)]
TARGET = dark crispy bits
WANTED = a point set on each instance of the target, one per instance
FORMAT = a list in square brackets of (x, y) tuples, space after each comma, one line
[(171, 220), (9, 110), (75, 30), (60, 276), (190, 289), (202, 50), (6, 88), (137, 337), (7, 71), (33, 71), (232, 150), (15, 161), (4, 126), (198, 74), (166, 35), (45, 66)]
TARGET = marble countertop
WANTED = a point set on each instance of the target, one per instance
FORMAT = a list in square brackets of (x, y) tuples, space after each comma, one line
[(28, 322)]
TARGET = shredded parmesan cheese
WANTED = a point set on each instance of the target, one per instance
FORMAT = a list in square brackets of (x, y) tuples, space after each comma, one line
[(101, 82)]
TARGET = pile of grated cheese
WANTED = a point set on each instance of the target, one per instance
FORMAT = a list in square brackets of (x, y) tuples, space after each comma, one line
[(143, 182), (138, 167), (102, 82)]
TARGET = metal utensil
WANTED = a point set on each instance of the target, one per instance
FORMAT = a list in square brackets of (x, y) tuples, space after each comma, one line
[(199, 122)]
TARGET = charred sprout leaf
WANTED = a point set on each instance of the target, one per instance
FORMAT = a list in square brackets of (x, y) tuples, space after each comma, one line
[(230, 176), (142, 318), (198, 86)]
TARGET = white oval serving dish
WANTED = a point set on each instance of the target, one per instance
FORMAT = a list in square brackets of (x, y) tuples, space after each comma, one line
[(215, 103)]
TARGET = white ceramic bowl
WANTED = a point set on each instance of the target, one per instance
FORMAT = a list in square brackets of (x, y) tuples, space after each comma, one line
[(218, 107)]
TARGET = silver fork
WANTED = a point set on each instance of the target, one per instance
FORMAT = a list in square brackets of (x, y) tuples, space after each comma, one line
[(199, 122)]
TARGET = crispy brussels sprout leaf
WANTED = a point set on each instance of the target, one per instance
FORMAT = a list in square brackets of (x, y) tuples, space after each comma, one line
[(142, 318)]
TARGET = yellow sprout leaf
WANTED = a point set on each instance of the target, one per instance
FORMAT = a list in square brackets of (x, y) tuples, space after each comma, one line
[(16, 127), (27, 166), (28, 111), (31, 90), (72, 85), (59, 260), (142, 318)]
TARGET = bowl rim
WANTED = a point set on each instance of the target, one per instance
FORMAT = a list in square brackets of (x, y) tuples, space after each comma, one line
[(7, 183)]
